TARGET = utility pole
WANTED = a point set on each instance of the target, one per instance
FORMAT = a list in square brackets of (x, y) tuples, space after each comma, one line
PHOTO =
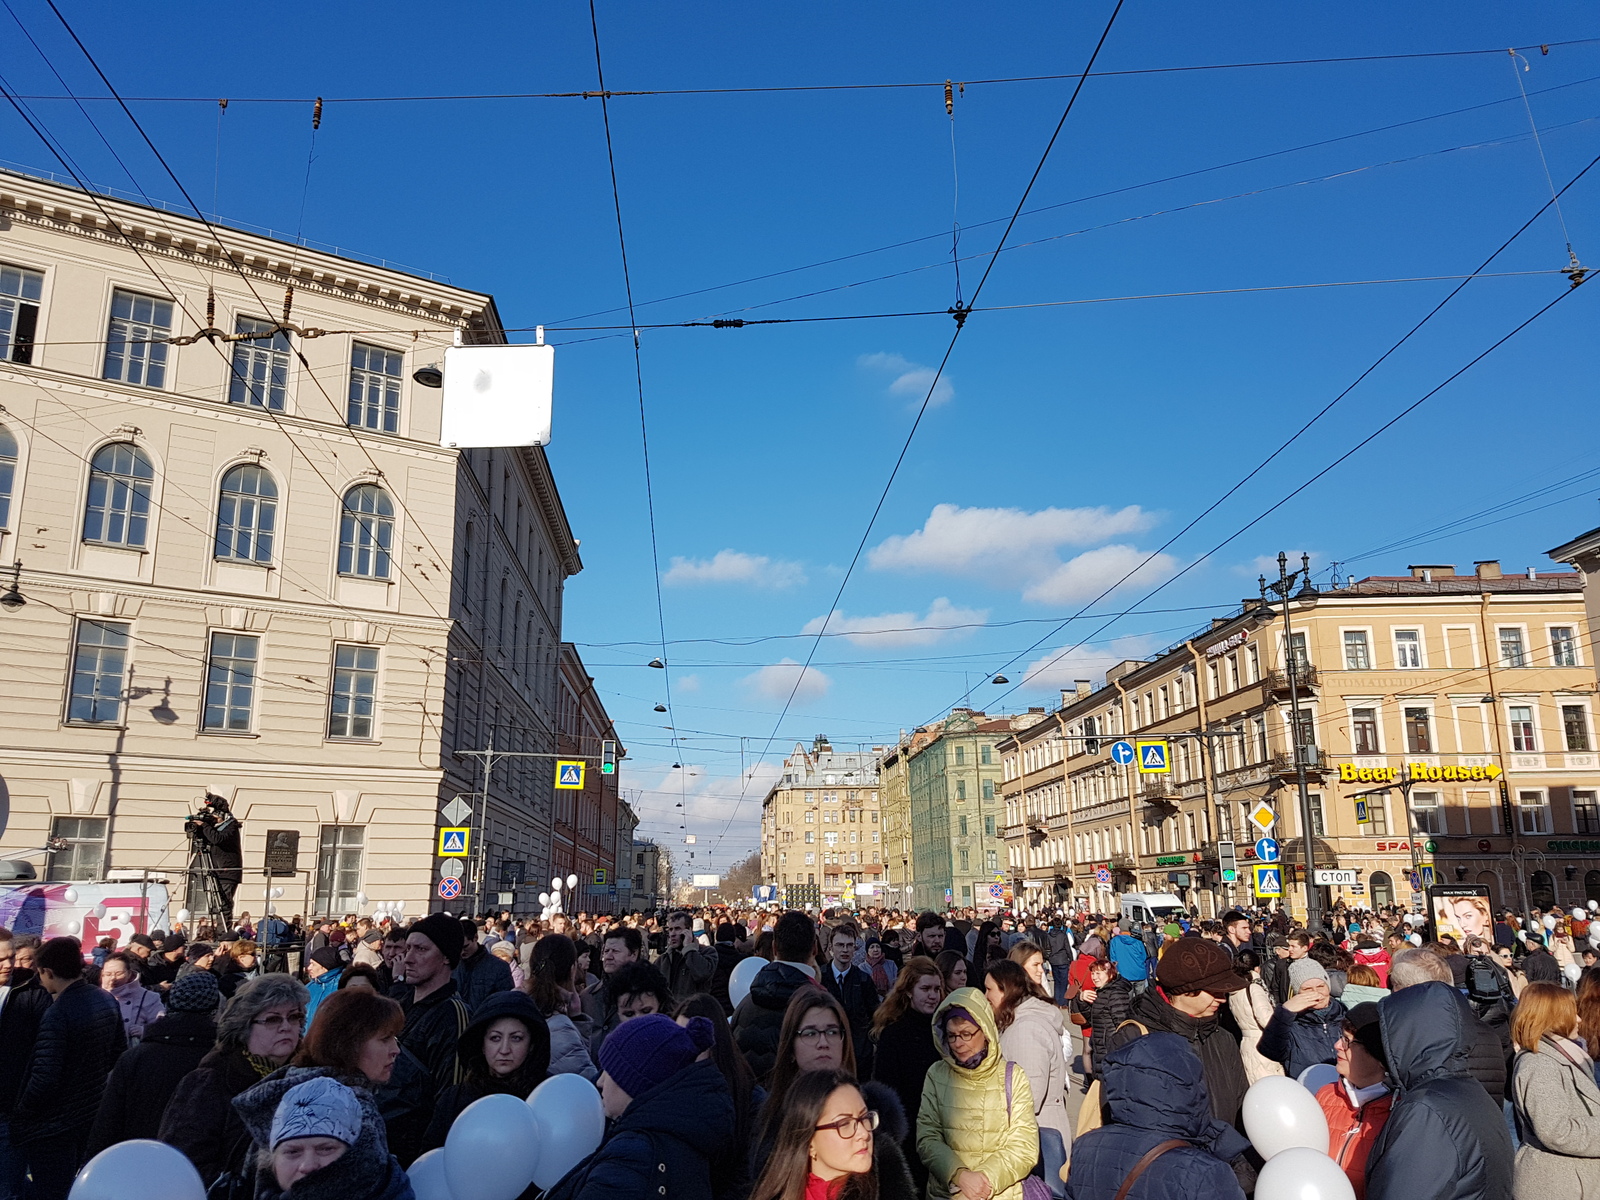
[(1284, 585)]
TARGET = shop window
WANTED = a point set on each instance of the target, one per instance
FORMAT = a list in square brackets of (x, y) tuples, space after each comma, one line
[(1585, 811), (1591, 885), (1542, 889), (1382, 888)]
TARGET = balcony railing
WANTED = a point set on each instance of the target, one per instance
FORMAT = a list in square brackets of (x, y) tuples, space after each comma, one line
[(1282, 764), (1276, 683)]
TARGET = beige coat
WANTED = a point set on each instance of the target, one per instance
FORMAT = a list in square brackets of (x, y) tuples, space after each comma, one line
[(1252, 1009), (1558, 1118)]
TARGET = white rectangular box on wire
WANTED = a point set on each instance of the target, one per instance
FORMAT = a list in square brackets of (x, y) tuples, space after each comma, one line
[(497, 396)]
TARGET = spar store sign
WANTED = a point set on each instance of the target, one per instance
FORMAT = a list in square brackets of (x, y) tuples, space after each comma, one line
[(1415, 773)]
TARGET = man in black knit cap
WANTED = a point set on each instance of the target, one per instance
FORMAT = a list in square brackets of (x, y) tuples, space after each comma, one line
[(435, 1014)]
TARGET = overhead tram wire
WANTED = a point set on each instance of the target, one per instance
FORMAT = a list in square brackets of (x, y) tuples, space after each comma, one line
[(604, 94), (638, 376), (1295, 436), (412, 523), (960, 315)]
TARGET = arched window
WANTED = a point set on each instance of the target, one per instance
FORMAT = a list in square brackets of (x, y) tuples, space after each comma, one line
[(118, 511), (8, 474), (366, 532), (1542, 889), (247, 515), (1382, 888)]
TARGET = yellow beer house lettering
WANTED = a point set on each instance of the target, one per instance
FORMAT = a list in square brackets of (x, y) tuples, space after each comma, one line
[(1417, 772)]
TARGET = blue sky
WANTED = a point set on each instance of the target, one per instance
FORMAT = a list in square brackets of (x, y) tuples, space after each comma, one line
[(1066, 443)]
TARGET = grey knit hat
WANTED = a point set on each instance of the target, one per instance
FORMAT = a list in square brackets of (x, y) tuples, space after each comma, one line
[(317, 1108), (1303, 970), (195, 992)]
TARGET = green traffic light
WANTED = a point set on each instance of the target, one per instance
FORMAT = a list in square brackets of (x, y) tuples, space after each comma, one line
[(1229, 876)]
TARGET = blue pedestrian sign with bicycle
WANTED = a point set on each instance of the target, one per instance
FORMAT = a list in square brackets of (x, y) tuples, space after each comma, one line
[(1122, 753), (1267, 849)]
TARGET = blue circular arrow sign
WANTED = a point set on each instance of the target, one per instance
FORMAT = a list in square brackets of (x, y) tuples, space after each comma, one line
[(1122, 753), (1267, 849)]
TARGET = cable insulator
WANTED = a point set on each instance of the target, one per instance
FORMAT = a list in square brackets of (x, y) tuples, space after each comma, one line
[(211, 308), (959, 312), (288, 303), (949, 99), (316, 115), (223, 105), (728, 323)]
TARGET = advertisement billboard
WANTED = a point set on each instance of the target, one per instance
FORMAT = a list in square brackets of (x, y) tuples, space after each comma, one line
[(1460, 910)]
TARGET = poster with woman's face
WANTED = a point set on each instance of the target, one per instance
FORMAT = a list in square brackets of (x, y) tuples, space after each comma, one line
[(1461, 911)]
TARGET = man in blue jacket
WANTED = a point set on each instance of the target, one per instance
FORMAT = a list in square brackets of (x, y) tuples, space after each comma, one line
[(1129, 955)]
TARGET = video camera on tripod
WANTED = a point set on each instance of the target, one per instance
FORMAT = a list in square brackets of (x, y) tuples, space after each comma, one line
[(215, 860), (214, 817)]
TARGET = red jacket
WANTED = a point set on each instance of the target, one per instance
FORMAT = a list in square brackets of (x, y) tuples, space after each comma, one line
[(1378, 960), (1353, 1131)]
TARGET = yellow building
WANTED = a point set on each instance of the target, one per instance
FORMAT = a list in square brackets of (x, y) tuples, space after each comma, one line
[(1478, 688), (821, 828)]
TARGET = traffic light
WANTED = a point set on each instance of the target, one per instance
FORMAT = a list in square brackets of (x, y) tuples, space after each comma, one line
[(608, 758), (1226, 861)]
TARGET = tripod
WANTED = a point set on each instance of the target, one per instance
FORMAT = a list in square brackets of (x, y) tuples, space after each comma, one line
[(210, 884)]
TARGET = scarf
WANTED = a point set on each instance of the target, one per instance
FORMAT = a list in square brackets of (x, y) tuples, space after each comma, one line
[(880, 978), (263, 1066)]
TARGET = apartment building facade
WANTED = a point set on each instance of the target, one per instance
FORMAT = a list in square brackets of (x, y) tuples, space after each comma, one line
[(821, 825), (249, 570), (1477, 690), (584, 826), (894, 801)]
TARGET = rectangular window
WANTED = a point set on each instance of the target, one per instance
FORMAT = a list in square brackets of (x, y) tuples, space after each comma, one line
[(1357, 654), (830, 838), (1364, 730), (1575, 727), (988, 789), (1260, 724), (961, 755), (1563, 646), (1318, 829), (961, 789), (961, 825), (339, 868), (811, 816), (84, 855), (1297, 651), (231, 681), (1407, 649), (1377, 815), (965, 861), (1585, 811), (374, 388), (19, 312), (1211, 680), (1522, 732), (1428, 811), (1533, 812), (1419, 736), (988, 826), (133, 352), (1512, 653), (983, 755), (1253, 656), (991, 860), (260, 377), (1233, 673), (355, 691), (811, 837), (99, 673)]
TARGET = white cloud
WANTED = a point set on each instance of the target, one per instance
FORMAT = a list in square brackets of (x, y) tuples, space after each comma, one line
[(687, 683), (775, 682), (1062, 668), (1009, 547), (941, 621), (911, 380), (1096, 571), (734, 566), (708, 802)]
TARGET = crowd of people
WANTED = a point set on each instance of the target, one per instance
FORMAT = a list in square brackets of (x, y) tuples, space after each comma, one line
[(764, 1055)]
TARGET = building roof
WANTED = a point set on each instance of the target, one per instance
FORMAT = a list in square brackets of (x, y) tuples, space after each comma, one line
[(1458, 585), (1583, 543)]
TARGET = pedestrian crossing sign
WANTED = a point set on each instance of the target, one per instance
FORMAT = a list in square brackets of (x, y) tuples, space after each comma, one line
[(1267, 881), (453, 842), (569, 773), (1153, 758)]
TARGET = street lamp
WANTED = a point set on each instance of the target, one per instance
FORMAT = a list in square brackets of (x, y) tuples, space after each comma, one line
[(1282, 588), (13, 599)]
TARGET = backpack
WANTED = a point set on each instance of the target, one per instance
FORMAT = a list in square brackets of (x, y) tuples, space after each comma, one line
[(1485, 984)]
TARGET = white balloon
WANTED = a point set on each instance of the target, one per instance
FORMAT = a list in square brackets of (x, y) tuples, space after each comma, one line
[(73, 927), (572, 881), (742, 976), (399, 906), (492, 1151), (183, 915), (544, 899), (1279, 1114), (1301, 1173), (70, 895), (361, 898), (1593, 905), (277, 893), (140, 1169), (571, 1123), (428, 1178), (1577, 912), (1318, 1075), (100, 911), (1549, 921), (556, 883)]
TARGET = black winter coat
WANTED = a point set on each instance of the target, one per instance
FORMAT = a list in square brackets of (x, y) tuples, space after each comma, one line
[(1302, 1039), (759, 1018), (481, 976), (1155, 1090), (660, 1148), (145, 1078), (1109, 1009), (434, 1026), (476, 1081), (905, 1051), (1445, 1139), (727, 959), (24, 1008), (1217, 1049), (199, 1119), (859, 996), (80, 1039)]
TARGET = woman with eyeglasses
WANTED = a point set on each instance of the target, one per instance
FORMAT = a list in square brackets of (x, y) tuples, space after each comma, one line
[(827, 1148), (975, 1128), (814, 1036), (258, 1033)]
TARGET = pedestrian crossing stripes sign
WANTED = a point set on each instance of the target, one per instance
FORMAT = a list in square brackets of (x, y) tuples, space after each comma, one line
[(453, 842), (1267, 881), (1153, 758), (569, 773)]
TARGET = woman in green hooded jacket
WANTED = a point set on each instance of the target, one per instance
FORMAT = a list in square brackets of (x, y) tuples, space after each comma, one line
[(975, 1129)]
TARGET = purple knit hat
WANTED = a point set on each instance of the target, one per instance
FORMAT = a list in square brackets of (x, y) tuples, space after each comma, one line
[(645, 1051)]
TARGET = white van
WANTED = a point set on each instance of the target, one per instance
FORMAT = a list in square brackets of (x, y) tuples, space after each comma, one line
[(1152, 907)]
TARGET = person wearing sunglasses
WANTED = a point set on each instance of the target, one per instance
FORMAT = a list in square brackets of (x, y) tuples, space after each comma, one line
[(975, 1129), (829, 1146)]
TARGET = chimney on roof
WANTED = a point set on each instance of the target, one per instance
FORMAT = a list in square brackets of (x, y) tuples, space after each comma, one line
[(1068, 695), (819, 744), (1431, 571), (1039, 710), (1532, 574), (1489, 569), (1082, 687)]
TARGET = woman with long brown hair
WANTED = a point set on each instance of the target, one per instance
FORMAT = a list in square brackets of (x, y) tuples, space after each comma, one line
[(1554, 1097), (826, 1145), (815, 1036), (730, 1175), (903, 1029), (1030, 1036)]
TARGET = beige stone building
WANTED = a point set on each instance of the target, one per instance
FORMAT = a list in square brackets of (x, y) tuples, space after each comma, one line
[(1478, 687), (821, 827), (249, 569)]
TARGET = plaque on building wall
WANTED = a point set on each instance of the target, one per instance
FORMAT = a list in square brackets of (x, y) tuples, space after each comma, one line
[(283, 852)]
